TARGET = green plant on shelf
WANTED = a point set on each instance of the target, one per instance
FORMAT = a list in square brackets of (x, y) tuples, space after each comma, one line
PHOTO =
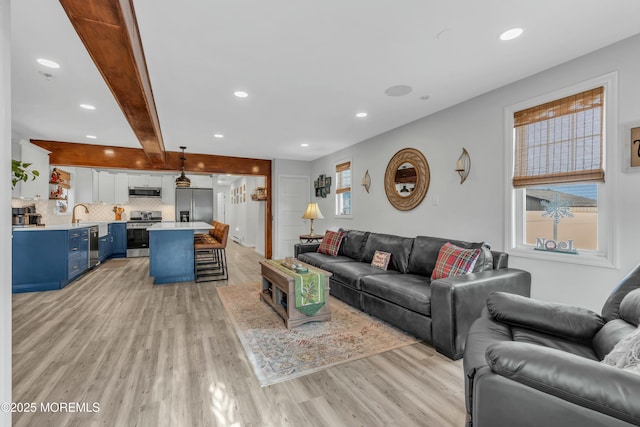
[(19, 172)]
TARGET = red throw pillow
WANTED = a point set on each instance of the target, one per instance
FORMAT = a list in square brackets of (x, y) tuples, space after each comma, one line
[(381, 260), (331, 242), (454, 261)]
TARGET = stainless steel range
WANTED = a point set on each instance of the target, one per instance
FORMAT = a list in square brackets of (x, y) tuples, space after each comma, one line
[(137, 234)]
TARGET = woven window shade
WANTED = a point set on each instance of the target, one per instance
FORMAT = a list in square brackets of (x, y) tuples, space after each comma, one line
[(560, 141), (343, 167), (341, 186)]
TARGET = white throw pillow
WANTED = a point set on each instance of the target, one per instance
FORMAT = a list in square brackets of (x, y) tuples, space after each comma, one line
[(626, 354)]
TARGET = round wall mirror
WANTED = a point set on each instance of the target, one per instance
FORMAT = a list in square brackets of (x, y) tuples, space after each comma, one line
[(407, 178)]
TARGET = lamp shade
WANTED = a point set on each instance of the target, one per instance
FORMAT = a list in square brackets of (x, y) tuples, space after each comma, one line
[(312, 212)]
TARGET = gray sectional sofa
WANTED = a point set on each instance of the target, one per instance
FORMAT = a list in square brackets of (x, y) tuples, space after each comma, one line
[(439, 311)]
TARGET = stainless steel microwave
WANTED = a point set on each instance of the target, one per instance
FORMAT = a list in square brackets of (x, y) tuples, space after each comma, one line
[(145, 192)]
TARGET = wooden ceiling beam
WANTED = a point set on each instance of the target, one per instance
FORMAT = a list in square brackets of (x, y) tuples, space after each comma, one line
[(109, 31), (108, 157)]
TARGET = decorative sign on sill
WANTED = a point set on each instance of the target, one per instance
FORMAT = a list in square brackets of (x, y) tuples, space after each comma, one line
[(565, 247)]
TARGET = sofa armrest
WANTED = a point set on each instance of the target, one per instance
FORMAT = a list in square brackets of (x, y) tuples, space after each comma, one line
[(300, 248), (457, 301), (584, 382), (566, 321)]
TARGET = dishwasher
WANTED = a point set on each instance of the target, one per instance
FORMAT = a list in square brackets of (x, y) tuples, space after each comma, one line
[(93, 246)]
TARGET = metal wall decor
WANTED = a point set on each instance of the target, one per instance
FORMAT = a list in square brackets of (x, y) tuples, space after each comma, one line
[(463, 165), (407, 178), (366, 181)]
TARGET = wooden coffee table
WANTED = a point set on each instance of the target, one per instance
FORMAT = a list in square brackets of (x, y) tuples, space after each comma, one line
[(278, 291)]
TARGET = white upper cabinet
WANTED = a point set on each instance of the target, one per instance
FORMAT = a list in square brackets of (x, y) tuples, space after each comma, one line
[(106, 187), (84, 186), (121, 188), (39, 160), (145, 180), (201, 181), (169, 189)]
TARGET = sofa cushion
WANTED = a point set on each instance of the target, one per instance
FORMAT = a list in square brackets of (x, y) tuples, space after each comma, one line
[(630, 307), (454, 261), (485, 260), (611, 308), (350, 273), (381, 260), (399, 247), (353, 244), (610, 335), (566, 321), (424, 253), (559, 343), (331, 242), (318, 260), (410, 291)]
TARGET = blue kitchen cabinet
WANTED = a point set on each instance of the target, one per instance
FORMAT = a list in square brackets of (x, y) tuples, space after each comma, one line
[(44, 260), (105, 246), (119, 236)]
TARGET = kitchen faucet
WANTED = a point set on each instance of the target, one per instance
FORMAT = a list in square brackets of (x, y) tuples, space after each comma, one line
[(73, 215)]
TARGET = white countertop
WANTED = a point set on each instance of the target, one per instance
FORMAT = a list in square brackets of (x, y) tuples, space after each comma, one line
[(172, 226), (69, 226)]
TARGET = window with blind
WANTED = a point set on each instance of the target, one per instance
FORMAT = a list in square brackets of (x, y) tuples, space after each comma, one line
[(343, 189), (560, 141), (558, 170)]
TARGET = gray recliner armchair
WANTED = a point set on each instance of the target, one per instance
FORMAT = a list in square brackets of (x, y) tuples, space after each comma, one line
[(533, 363)]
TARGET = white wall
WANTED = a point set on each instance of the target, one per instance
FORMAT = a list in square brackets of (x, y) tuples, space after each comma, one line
[(5, 214), (246, 219), (476, 210)]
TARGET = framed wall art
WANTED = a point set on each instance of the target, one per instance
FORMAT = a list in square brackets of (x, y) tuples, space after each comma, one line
[(631, 139)]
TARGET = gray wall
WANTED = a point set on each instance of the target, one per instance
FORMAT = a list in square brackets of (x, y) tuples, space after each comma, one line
[(476, 210)]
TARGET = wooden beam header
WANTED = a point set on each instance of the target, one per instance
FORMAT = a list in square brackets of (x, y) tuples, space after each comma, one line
[(109, 157)]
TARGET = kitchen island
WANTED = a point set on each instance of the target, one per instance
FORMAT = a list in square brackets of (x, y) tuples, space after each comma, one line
[(171, 250)]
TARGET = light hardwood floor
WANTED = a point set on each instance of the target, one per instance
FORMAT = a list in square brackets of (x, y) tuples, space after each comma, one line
[(166, 355)]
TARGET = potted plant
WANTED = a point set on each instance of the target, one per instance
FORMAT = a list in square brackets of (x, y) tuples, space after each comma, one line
[(19, 172)]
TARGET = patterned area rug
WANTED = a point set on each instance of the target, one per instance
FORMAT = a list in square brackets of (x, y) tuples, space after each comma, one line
[(278, 354)]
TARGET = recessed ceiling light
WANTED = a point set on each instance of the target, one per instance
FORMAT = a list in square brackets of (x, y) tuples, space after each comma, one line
[(361, 115), (219, 182), (218, 135), (241, 94), (48, 63), (87, 106), (92, 136), (511, 34), (304, 145), (399, 90)]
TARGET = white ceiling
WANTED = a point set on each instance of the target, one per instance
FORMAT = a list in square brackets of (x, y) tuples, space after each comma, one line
[(308, 66)]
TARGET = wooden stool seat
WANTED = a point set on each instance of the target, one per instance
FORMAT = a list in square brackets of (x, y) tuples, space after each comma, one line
[(210, 259)]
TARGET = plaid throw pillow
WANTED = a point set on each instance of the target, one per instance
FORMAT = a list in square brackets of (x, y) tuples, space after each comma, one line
[(331, 242), (454, 261)]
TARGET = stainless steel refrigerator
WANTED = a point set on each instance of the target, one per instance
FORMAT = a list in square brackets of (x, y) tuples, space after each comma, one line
[(194, 204)]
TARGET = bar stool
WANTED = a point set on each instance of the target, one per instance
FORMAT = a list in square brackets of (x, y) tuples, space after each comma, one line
[(210, 258)]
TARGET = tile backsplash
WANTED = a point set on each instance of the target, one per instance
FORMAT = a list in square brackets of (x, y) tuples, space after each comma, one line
[(97, 211)]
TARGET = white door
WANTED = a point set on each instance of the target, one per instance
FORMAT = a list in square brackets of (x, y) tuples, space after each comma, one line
[(294, 194), (220, 208)]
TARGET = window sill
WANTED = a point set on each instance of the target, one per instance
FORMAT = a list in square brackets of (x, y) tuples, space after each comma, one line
[(582, 258), (343, 216)]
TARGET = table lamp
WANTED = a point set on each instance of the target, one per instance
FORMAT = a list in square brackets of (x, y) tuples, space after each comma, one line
[(312, 212)]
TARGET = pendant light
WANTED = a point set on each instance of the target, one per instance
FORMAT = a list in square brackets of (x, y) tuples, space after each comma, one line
[(182, 180)]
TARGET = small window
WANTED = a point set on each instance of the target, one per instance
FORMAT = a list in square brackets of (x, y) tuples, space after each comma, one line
[(343, 189)]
